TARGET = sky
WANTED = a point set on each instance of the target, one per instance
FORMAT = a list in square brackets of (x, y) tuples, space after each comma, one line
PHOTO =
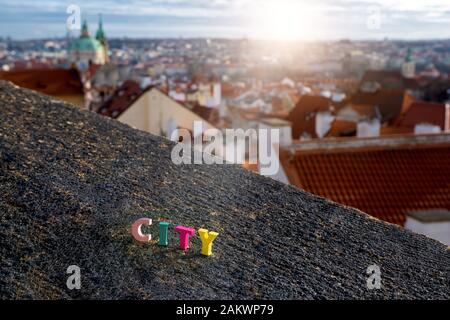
[(262, 19)]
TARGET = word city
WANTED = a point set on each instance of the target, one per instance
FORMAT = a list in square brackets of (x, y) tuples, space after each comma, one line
[(207, 237)]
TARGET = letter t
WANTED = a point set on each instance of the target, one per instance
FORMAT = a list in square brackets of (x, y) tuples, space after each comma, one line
[(185, 233)]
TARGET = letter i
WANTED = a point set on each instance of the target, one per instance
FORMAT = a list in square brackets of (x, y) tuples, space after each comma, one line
[(163, 231)]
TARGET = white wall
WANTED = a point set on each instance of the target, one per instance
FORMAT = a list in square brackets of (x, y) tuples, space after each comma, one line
[(323, 123), (425, 128), (436, 230), (154, 110), (285, 132), (368, 128)]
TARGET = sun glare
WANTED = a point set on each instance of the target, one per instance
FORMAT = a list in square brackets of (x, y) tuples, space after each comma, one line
[(285, 20)]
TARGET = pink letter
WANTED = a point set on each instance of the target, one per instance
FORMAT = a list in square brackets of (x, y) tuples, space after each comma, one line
[(185, 233), (136, 230)]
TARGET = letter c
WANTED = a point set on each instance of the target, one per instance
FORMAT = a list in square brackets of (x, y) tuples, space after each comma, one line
[(136, 230)]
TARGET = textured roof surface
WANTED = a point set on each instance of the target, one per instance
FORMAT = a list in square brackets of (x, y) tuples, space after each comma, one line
[(73, 182), (128, 93), (209, 114), (386, 183)]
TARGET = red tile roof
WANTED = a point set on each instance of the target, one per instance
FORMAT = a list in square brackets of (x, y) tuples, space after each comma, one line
[(122, 99), (426, 112), (209, 114), (386, 181), (130, 91), (53, 82)]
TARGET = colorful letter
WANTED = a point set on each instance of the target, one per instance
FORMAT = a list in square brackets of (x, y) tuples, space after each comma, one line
[(207, 240), (185, 233), (136, 230), (163, 230)]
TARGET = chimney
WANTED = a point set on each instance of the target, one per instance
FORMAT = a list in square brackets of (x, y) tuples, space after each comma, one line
[(426, 128), (368, 128), (323, 123), (217, 93)]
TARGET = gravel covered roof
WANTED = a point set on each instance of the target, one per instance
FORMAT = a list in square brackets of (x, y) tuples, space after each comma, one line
[(73, 182)]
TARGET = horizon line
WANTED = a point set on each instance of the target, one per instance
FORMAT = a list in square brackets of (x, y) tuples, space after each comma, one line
[(236, 38)]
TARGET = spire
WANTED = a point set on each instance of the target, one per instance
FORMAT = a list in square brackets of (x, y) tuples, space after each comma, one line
[(100, 35), (409, 67), (85, 30), (409, 56)]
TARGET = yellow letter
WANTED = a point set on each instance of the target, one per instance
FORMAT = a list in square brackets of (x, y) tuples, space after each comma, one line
[(207, 240)]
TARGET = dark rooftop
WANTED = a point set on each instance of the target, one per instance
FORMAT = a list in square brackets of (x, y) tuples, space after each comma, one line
[(73, 182), (426, 112), (391, 103), (389, 79), (54, 82), (122, 98)]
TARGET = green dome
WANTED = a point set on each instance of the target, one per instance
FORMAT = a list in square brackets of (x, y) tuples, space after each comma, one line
[(85, 44)]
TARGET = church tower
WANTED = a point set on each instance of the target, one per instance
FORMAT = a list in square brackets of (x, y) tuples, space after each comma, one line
[(101, 37), (86, 49), (409, 66), (85, 30)]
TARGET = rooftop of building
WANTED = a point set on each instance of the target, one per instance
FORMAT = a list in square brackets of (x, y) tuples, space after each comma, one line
[(302, 116), (437, 114), (391, 103), (387, 176), (122, 98), (130, 91), (54, 82), (86, 42), (389, 79)]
